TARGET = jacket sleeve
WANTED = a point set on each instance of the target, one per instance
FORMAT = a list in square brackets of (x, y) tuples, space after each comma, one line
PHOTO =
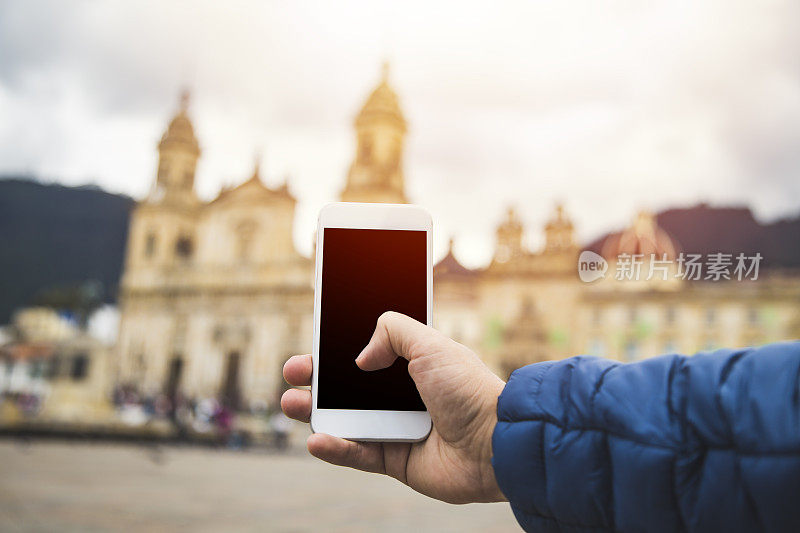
[(703, 443)]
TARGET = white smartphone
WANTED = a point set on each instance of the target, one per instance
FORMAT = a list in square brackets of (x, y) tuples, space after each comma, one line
[(371, 258)]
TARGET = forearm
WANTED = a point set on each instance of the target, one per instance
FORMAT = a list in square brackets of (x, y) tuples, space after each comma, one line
[(670, 443)]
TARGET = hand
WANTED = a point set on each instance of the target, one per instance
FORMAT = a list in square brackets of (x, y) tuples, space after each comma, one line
[(454, 463)]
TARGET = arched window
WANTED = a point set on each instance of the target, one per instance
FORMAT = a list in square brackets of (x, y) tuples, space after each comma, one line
[(245, 233), (184, 247), (150, 245), (80, 367), (365, 149)]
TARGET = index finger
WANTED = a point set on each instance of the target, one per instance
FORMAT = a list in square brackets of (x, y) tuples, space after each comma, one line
[(297, 370)]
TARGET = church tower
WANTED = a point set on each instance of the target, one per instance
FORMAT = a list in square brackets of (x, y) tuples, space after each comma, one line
[(509, 238), (559, 232), (178, 152), (163, 225), (376, 174)]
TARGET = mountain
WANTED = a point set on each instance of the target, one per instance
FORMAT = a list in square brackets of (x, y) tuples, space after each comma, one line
[(56, 240), (704, 230), (52, 237)]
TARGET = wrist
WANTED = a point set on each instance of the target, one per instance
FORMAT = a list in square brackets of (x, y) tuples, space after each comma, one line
[(489, 488)]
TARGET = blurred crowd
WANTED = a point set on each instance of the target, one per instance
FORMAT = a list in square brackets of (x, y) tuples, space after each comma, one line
[(207, 418)]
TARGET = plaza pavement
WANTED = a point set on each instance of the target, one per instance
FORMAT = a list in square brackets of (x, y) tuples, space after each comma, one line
[(84, 486)]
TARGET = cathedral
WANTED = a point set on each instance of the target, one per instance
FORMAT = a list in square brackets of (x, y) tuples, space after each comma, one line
[(214, 296)]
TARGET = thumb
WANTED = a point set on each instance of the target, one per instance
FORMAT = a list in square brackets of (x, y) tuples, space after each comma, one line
[(396, 335)]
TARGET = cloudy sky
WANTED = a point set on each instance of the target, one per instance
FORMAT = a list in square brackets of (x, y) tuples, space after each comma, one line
[(607, 106)]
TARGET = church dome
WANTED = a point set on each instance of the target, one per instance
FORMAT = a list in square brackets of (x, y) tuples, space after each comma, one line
[(382, 105), (643, 237), (180, 132)]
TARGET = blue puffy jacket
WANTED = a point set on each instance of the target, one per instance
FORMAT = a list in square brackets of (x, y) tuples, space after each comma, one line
[(703, 443)]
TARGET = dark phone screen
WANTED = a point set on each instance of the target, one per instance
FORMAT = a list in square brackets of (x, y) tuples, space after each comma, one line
[(366, 272)]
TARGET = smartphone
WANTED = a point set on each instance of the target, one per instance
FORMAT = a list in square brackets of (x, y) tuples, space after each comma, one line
[(371, 258)]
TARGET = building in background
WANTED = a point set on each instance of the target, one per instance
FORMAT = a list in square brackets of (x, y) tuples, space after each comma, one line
[(53, 373), (376, 174), (214, 295), (529, 306)]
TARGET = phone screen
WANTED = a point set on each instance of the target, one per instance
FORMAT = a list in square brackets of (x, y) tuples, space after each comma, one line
[(366, 272)]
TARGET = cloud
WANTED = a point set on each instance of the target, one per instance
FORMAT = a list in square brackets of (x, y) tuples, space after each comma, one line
[(607, 106)]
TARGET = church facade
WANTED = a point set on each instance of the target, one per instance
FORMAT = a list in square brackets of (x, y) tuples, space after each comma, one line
[(214, 296)]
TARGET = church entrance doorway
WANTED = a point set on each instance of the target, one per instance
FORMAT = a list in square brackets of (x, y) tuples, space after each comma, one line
[(173, 378), (230, 394)]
